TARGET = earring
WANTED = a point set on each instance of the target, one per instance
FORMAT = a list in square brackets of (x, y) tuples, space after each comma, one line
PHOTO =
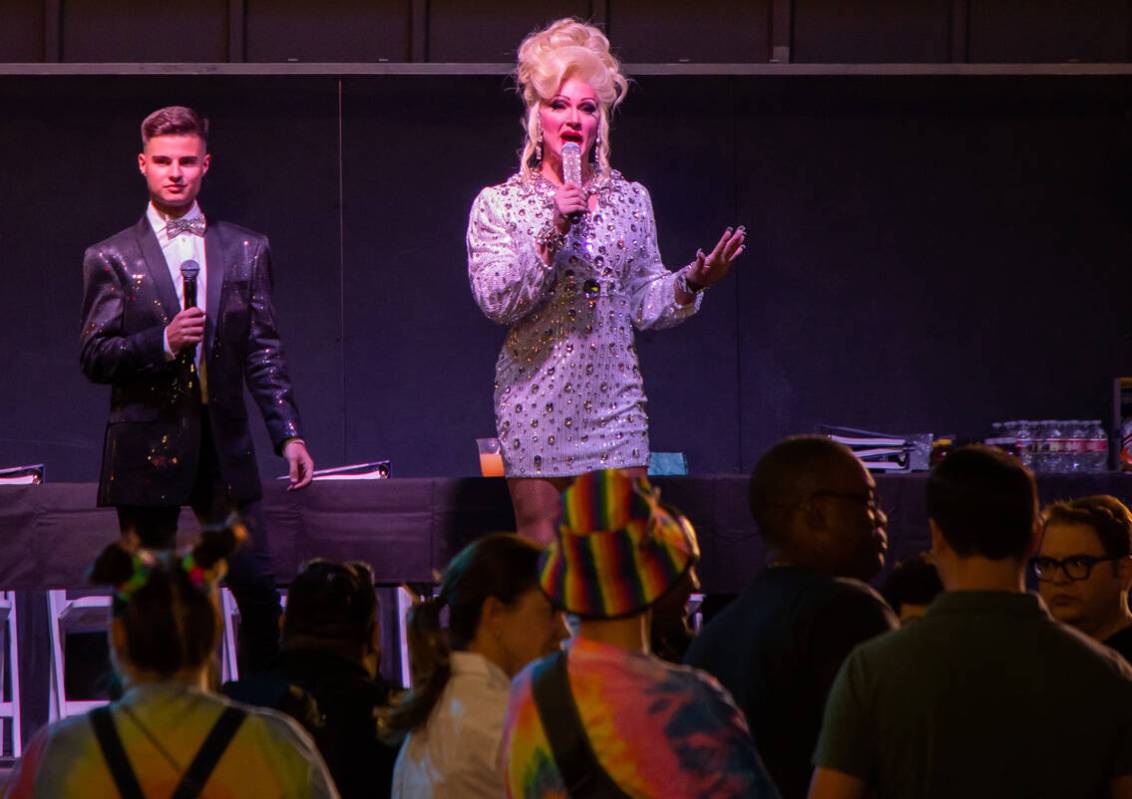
[(538, 147), (595, 152)]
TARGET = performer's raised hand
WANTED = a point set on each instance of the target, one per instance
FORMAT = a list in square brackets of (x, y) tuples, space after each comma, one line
[(186, 329), (713, 267), (300, 464)]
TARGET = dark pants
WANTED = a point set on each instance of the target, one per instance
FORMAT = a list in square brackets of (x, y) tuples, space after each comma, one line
[(250, 575)]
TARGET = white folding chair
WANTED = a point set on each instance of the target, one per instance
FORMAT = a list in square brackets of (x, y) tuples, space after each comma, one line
[(230, 611), (88, 613), (229, 668), (405, 601), (10, 702)]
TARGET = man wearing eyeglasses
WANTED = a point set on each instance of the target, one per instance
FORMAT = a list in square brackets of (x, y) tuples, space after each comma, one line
[(1084, 568), (986, 695), (778, 646)]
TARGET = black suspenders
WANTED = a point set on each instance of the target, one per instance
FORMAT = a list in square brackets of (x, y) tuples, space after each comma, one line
[(194, 779)]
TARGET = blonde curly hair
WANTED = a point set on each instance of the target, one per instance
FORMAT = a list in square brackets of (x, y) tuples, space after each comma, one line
[(565, 49)]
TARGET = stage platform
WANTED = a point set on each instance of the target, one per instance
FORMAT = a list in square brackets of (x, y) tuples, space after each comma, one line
[(408, 529)]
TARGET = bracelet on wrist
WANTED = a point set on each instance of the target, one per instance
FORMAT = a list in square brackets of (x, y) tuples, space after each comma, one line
[(689, 287), (550, 238)]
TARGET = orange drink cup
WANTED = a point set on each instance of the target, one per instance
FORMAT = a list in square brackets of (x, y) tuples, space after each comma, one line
[(491, 458)]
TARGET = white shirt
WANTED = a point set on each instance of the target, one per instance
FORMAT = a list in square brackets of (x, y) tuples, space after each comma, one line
[(457, 752), (177, 250)]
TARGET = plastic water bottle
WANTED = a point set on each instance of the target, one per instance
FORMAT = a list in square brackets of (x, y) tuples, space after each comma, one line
[(1024, 437), (1075, 435), (1055, 435), (1096, 447), (1041, 446)]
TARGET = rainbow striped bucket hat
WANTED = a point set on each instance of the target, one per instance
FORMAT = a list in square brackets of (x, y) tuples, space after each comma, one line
[(618, 549)]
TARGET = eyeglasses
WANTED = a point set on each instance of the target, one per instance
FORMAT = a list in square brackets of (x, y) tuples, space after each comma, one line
[(870, 500), (1075, 567)]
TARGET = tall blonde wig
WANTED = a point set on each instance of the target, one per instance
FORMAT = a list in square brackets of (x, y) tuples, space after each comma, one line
[(567, 49)]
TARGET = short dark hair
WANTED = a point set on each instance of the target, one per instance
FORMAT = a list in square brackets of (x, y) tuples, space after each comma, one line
[(914, 581), (785, 474), (984, 502), (332, 601), (174, 120), (1107, 515)]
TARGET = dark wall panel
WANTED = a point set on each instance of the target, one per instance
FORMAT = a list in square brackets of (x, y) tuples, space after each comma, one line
[(1022, 31), (138, 30), (71, 146), (21, 30), (490, 30), (687, 162), (920, 245), (871, 32), (420, 357), (332, 30), (925, 253), (721, 31)]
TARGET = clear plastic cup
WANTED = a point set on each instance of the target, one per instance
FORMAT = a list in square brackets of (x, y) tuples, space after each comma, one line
[(491, 457)]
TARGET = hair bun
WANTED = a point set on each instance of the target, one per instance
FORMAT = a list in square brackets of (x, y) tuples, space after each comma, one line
[(218, 542), (113, 566)]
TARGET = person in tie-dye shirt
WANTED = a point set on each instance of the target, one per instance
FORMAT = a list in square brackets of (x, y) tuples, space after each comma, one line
[(655, 729)]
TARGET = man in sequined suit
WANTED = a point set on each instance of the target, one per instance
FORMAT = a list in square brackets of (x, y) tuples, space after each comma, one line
[(178, 429)]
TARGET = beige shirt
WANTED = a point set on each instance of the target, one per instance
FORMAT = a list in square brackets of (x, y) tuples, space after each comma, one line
[(457, 752)]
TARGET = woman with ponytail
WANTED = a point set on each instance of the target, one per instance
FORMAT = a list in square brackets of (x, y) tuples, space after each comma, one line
[(497, 621), (169, 734)]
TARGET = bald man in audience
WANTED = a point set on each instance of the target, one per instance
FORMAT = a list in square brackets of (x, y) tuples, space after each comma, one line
[(778, 646)]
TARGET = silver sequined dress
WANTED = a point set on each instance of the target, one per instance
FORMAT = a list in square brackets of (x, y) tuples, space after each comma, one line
[(568, 392)]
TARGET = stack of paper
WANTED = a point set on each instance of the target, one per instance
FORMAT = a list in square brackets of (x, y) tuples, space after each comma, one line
[(882, 452), (32, 475), (372, 470)]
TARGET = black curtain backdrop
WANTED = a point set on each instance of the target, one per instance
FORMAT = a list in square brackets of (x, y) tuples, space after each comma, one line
[(926, 253)]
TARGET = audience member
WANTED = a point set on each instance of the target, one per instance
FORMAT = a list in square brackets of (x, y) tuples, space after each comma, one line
[(168, 734), (986, 695), (1084, 568), (498, 621), (778, 646), (330, 654), (912, 586), (604, 718), (670, 632)]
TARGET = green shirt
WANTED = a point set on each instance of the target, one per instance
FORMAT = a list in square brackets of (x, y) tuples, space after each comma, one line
[(984, 696)]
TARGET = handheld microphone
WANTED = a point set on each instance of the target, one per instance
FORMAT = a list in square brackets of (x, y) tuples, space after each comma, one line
[(189, 272), (572, 163)]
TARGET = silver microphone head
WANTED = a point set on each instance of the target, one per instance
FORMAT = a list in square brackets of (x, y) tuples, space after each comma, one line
[(190, 270), (572, 163)]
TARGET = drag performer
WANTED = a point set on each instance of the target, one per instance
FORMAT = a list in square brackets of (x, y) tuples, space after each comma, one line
[(178, 430), (573, 269)]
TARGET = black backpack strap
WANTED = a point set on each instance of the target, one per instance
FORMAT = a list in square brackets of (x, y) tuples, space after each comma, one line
[(115, 755), (581, 772), (210, 752)]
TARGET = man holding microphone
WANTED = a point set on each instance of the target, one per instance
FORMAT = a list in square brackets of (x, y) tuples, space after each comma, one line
[(177, 317)]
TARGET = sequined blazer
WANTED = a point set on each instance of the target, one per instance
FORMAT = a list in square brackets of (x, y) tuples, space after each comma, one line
[(152, 441)]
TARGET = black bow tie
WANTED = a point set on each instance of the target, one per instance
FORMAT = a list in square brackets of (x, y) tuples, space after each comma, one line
[(175, 227)]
